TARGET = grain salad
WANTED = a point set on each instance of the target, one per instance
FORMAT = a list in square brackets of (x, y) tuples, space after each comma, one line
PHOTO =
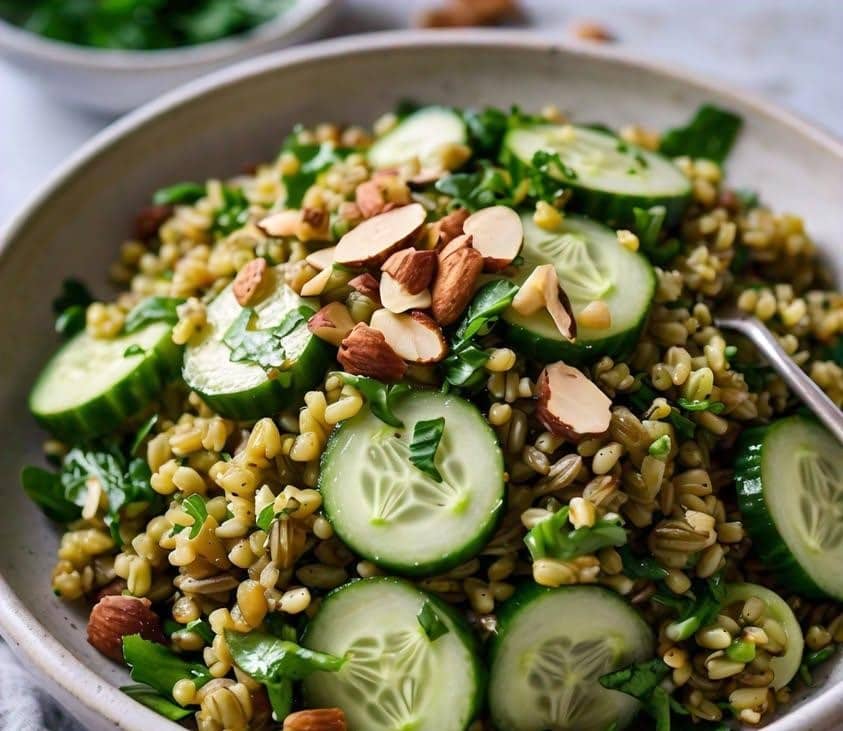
[(430, 427)]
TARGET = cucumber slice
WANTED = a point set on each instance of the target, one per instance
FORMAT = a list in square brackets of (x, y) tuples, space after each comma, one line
[(419, 135), (787, 665), (789, 479), (89, 386), (591, 265), (388, 510), (395, 677), (607, 176), (551, 647), (243, 390)]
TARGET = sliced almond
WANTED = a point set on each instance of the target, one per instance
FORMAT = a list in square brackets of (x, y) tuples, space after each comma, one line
[(541, 290), (370, 199), (462, 241), (283, 223), (367, 285), (414, 336), (332, 323), (397, 298), (454, 284), (451, 226), (248, 281), (365, 352), (371, 243), (571, 405), (314, 287), (316, 719), (322, 259), (497, 233), (411, 268)]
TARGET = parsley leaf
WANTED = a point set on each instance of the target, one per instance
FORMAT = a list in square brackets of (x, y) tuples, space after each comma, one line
[(486, 129), (648, 227), (233, 213), (488, 186), (550, 537), (642, 399), (380, 396), (70, 306), (159, 667), (178, 193), (46, 490), (425, 442), (153, 700), (431, 622), (263, 348), (313, 159), (710, 134), (152, 309), (642, 681), (194, 506)]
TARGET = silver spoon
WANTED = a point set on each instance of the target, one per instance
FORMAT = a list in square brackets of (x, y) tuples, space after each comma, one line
[(798, 381)]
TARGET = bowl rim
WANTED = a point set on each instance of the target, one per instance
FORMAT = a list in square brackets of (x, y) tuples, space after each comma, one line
[(17, 625), (286, 23)]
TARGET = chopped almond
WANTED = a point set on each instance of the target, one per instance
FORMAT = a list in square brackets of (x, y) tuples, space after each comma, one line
[(365, 352), (367, 285), (542, 290), (571, 405), (332, 323), (283, 223), (314, 287), (454, 284), (322, 258), (370, 199), (248, 281), (371, 243), (496, 232), (397, 298), (411, 268), (414, 336)]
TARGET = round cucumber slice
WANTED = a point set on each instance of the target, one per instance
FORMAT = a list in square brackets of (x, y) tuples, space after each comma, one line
[(89, 387), (591, 265), (390, 511), (395, 677), (551, 648), (608, 177), (420, 135), (787, 665), (789, 480), (243, 390)]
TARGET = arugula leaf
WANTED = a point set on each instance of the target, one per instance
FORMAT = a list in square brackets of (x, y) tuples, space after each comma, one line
[(159, 667), (194, 506), (234, 212), (70, 306), (46, 490), (155, 701), (186, 192), (642, 681), (715, 407), (641, 567), (550, 538), (710, 134), (262, 347), (152, 309), (380, 396), (486, 130), (275, 663), (488, 186), (701, 612), (313, 159), (426, 437), (431, 622), (142, 433)]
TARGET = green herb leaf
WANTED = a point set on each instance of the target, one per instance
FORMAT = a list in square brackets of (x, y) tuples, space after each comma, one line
[(313, 159), (550, 538), (265, 517), (715, 407), (425, 442), (701, 612), (233, 213), (159, 667), (142, 433), (642, 681), (380, 396), (152, 309), (155, 701), (710, 134), (648, 227), (488, 186), (264, 348), (431, 622), (201, 628), (641, 567), (194, 506), (46, 490), (486, 130), (643, 398), (70, 306), (178, 193)]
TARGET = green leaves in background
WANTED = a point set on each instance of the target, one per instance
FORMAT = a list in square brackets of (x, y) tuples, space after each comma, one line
[(70, 306), (178, 193), (710, 134)]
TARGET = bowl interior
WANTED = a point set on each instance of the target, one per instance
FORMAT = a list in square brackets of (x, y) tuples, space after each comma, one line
[(76, 227)]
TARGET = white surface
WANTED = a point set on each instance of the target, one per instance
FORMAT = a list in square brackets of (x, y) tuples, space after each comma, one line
[(788, 50)]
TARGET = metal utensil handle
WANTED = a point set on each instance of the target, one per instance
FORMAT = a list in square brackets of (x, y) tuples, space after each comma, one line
[(800, 383)]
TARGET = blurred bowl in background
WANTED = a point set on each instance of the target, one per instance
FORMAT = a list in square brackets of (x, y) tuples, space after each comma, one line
[(115, 81)]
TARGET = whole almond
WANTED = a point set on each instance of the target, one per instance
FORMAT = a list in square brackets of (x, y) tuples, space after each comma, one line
[(365, 352), (114, 617), (248, 281), (332, 323), (316, 719), (454, 284), (367, 285), (459, 242), (115, 587), (411, 268)]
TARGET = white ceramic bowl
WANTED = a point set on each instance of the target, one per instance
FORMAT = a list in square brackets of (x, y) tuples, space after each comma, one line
[(215, 126), (116, 81)]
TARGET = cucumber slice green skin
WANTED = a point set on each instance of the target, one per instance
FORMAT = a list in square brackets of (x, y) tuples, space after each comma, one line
[(506, 707), (419, 135), (787, 665), (758, 518), (537, 338), (603, 204), (465, 702), (395, 542), (101, 414)]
